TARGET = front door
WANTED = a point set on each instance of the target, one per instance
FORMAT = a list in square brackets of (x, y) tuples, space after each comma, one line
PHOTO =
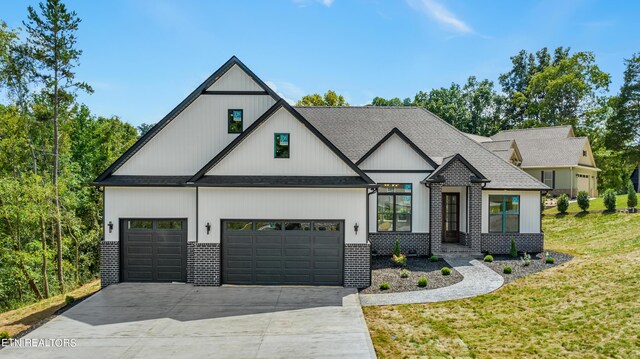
[(451, 217)]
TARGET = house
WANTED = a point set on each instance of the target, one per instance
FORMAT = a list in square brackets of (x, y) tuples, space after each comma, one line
[(235, 186), (554, 155), (635, 178)]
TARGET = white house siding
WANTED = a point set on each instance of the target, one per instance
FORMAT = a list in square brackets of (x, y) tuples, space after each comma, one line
[(420, 199), (529, 210), (195, 136), (308, 155), (216, 204), (395, 154), (235, 80), (135, 202), (463, 204)]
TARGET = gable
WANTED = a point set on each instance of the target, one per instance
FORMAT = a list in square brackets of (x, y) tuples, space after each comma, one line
[(587, 160), (308, 154), (235, 79), (394, 154)]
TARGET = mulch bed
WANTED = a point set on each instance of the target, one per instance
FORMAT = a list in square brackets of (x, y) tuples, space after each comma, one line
[(382, 270), (518, 270)]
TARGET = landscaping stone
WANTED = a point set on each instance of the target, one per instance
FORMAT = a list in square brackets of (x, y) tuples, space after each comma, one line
[(519, 270)]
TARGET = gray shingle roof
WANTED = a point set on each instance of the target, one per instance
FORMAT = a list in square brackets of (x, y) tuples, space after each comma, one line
[(546, 153), (534, 133), (130, 180), (283, 181), (354, 130), (504, 149)]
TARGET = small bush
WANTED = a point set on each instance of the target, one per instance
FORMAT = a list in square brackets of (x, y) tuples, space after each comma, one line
[(445, 271), (399, 261), (422, 282), (507, 270), (513, 251), (404, 273), (69, 299), (583, 200), (563, 203), (433, 258), (632, 197), (384, 286), (549, 260), (610, 199), (526, 259), (4, 335), (396, 249), (488, 258)]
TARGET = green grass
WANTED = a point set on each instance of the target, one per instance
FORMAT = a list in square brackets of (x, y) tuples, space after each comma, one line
[(588, 307), (594, 205)]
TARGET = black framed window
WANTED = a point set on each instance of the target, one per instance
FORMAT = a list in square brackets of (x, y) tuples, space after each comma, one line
[(281, 145), (235, 120), (394, 207), (504, 213)]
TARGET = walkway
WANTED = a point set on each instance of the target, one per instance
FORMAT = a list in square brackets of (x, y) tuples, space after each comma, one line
[(478, 279)]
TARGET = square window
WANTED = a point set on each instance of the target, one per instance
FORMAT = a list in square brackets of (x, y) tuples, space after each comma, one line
[(394, 207), (235, 121), (281, 145)]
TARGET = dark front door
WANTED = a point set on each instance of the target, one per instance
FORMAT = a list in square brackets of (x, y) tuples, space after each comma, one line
[(451, 217)]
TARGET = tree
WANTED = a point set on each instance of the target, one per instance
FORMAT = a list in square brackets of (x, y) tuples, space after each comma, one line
[(609, 199), (623, 128), (330, 98), (632, 197), (379, 101), (52, 44), (143, 128), (583, 200)]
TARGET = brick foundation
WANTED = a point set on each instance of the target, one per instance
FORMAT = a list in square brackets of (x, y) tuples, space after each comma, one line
[(109, 263), (410, 243), (500, 243), (206, 264), (357, 265), (190, 261)]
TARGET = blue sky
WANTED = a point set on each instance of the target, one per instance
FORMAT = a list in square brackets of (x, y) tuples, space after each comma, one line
[(142, 57)]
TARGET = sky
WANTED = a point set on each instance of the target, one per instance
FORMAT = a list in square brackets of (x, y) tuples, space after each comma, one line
[(143, 57)]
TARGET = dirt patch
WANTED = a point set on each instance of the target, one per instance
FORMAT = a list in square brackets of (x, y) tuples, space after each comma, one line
[(519, 270)]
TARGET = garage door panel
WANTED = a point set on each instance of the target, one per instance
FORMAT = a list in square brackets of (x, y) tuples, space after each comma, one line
[(275, 251), (299, 265), (326, 265), (267, 239), (238, 251), (239, 240)]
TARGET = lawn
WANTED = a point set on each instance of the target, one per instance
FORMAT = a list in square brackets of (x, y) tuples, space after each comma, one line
[(588, 307), (18, 320), (595, 205)]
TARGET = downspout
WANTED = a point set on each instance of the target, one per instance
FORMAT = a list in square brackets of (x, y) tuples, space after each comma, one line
[(572, 179), (197, 213)]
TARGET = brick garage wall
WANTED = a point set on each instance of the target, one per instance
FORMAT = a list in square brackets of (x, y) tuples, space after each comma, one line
[(190, 261), (109, 262), (500, 243), (206, 264), (357, 265), (382, 243)]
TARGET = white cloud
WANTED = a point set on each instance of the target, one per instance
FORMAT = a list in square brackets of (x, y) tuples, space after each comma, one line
[(286, 90), (305, 3), (327, 3), (441, 14)]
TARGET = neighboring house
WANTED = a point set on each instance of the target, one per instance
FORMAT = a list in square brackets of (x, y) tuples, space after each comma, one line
[(552, 154), (635, 178), (236, 186)]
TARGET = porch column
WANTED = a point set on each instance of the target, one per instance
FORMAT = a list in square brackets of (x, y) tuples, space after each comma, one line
[(475, 216), (435, 223)]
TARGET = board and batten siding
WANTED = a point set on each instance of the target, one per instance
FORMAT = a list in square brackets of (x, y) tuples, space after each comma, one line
[(308, 155), (235, 79), (154, 202), (420, 200), (217, 204), (529, 210), (395, 154)]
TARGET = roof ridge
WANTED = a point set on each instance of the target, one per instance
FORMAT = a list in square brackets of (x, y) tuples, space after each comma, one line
[(534, 128), (363, 106)]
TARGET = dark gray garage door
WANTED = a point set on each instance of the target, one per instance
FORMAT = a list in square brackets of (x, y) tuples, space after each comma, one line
[(282, 252), (153, 250)]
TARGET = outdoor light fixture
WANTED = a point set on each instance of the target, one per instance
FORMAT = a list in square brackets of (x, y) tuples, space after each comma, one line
[(355, 227), (110, 226), (208, 227)]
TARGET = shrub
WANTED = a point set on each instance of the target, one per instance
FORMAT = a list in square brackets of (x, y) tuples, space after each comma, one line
[(610, 199), (445, 271), (526, 259), (422, 282), (384, 286), (433, 259), (549, 260), (513, 251), (69, 299), (396, 249), (563, 203), (632, 197), (583, 200), (404, 273), (399, 261), (4, 335), (507, 270), (488, 258)]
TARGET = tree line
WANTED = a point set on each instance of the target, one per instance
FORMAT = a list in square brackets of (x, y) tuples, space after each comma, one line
[(51, 148), (542, 88)]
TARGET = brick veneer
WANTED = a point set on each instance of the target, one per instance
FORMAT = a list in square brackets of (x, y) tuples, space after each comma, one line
[(206, 264), (500, 243), (436, 217), (357, 265), (109, 262), (382, 243), (190, 260)]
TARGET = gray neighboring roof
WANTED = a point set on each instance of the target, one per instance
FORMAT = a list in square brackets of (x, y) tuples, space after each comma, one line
[(283, 181), (504, 149), (355, 130), (477, 138), (545, 153), (145, 181), (534, 133)]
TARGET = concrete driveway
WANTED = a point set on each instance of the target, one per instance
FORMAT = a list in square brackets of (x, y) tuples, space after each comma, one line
[(179, 320)]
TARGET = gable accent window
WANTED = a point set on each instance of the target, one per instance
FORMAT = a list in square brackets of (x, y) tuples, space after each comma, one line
[(549, 178), (234, 124), (504, 214), (584, 153), (281, 145), (394, 207)]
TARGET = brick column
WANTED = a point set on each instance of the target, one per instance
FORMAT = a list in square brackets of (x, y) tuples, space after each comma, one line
[(475, 217), (435, 222), (357, 265), (190, 260), (109, 263), (206, 266)]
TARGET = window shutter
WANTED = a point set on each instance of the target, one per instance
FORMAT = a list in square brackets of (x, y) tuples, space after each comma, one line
[(553, 182)]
